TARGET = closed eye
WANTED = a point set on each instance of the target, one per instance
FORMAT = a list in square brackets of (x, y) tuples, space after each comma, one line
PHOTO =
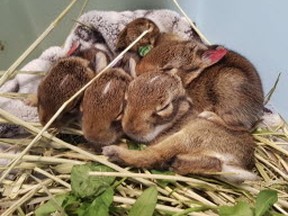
[(120, 114), (165, 110)]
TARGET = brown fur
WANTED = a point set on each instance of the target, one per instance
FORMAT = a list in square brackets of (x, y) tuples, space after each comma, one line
[(133, 30), (102, 107), (169, 51), (63, 80), (188, 57), (190, 144), (98, 58), (232, 89)]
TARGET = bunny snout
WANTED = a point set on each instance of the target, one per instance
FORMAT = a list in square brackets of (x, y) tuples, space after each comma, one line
[(102, 135), (140, 129), (135, 128)]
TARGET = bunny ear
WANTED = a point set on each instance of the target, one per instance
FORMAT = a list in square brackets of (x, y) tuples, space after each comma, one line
[(74, 47), (132, 67), (188, 78), (121, 43), (169, 68), (211, 57), (81, 108), (185, 77), (100, 61)]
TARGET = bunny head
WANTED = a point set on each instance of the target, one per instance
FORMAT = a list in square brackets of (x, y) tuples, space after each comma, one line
[(154, 102), (189, 57), (63, 80), (133, 30), (102, 107)]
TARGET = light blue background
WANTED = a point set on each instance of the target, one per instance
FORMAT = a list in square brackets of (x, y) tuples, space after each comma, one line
[(256, 29)]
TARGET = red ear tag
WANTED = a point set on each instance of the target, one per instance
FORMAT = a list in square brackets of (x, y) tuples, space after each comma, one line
[(215, 55), (73, 48)]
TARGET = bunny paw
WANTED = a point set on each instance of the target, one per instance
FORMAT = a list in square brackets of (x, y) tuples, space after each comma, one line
[(31, 100), (180, 166), (112, 152)]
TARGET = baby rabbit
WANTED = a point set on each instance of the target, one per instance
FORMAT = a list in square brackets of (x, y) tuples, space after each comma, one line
[(229, 86), (232, 89), (152, 39), (189, 57), (63, 80), (135, 28), (159, 112), (217, 80), (102, 107), (169, 51)]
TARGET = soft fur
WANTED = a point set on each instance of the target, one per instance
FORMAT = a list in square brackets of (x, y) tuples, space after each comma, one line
[(64, 79), (159, 112), (102, 107), (228, 84)]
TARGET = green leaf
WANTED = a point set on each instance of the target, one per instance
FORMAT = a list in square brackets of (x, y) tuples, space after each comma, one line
[(84, 185), (144, 50), (100, 206), (81, 211), (135, 146), (71, 204), (240, 209), (51, 206), (265, 199), (145, 204)]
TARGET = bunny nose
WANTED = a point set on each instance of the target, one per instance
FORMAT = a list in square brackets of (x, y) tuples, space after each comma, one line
[(134, 131)]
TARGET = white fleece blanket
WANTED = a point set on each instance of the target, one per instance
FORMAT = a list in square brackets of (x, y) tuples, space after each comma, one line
[(106, 25)]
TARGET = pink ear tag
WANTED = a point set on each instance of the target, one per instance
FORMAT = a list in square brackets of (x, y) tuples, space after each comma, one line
[(73, 48), (215, 55)]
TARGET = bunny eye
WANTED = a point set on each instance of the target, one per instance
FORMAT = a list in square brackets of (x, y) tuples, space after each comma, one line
[(165, 110), (119, 117), (125, 96), (120, 114)]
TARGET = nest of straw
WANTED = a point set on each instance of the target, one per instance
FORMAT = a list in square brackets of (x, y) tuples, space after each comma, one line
[(41, 166)]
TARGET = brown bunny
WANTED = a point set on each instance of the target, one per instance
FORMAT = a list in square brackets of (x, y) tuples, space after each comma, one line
[(190, 58), (158, 111), (217, 80), (152, 39), (63, 80), (232, 89), (135, 28), (102, 107), (229, 86)]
